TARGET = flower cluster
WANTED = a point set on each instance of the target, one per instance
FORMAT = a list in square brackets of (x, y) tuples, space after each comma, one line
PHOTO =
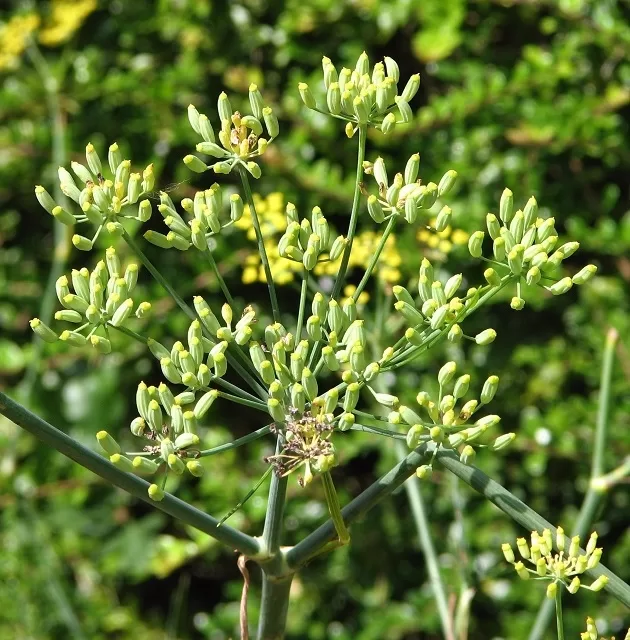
[(206, 219), (562, 568), (526, 245), (406, 196), (240, 137), (101, 299), (103, 202), (592, 633), (361, 97), (447, 424)]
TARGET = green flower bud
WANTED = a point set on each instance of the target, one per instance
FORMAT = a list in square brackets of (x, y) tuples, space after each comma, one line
[(195, 164), (107, 443), (561, 286), (406, 115), (411, 88), (380, 173), (67, 315), (276, 410), (175, 464), (452, 285), (415, 436), (533, 276), (122, 462), (517, 226), (517, 303), (439, 316), (494, 228), (81, 242), (503, 441), (467, 455), (185, 440), (306, 95), (585, 274), (411, 314), (530, 212), (144, 465), (400, 293), (271, 122), (475, 243), (195, 468), (256, 102), (498, 249), (443, 219), (298, 397), (411, 168), (375, 209), (486, 337), (309, 383), (351, 397), (492, 277), (346, 421), (155, 493), (461, 386), (455, 333), (389, 121), (122, 313), (506, 206), (75, 339), (43, 330), (515, 259), (447, 182), (138, 426), (330, 361), (446, 373), (314, 328)]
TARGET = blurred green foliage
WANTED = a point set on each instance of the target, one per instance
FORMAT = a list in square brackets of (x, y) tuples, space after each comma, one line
[(531, 95)]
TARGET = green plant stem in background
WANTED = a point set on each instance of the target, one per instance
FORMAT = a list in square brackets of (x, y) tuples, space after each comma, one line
[(249, 199), (558, 603), (275, 509), (62, 233), (595, 494), (188, 311), (375, 257), (332, 500), (414, 495), (354, 215), (175, 507)]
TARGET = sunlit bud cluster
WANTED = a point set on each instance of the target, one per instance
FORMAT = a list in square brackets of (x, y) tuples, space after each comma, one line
[(240, 139), (563, 567), (592, 633), (208, 213), (445, 418), (364, 96), (405, 196), (104, 197), (525, 249), (309, 241), (203, 359), (437, 307), (92, 302)]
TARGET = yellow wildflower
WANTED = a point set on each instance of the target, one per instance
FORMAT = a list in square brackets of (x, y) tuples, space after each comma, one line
[(66, 18), (14, 36)]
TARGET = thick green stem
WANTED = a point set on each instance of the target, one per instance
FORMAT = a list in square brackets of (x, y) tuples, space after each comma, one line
[(375, 257), (354, 215), (245, 375), (274, 606), (249, 199), (414, 494), (175, 507), (596, 493)]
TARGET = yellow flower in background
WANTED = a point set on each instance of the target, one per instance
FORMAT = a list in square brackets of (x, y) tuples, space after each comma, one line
[(441, 242), (66, 18), (14, 36)]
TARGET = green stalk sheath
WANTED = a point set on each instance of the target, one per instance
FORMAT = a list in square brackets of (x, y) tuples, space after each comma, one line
[(303, 292), (274, 606), (594, 496), (249, 198), (188, 311), (217, 274), (275, 510), (558, 603), (332, 500), (412, 487), (175, 507), (375, 258), (354, 215)]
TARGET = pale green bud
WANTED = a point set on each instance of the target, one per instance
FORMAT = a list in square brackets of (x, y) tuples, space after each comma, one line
[(43, 330), (517, 226), (486, 337), (498, 249), (561, 287), (306, 95), (503, 441), (533, 276), (411, 168), (107, 443), (195, 468), (446, 373), (389, 121), (585, 274), (271, 122), (494, 228), (530, 212), (122, 462), (276, 410), (195, 164), (406, 115), (461, 386), (452, 285), (447, 182), (506, 206), (144, 465), (455, 333), (515, 259), (256, 102), (346, 421), (375, 209), (475, 243), (443, 219)]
